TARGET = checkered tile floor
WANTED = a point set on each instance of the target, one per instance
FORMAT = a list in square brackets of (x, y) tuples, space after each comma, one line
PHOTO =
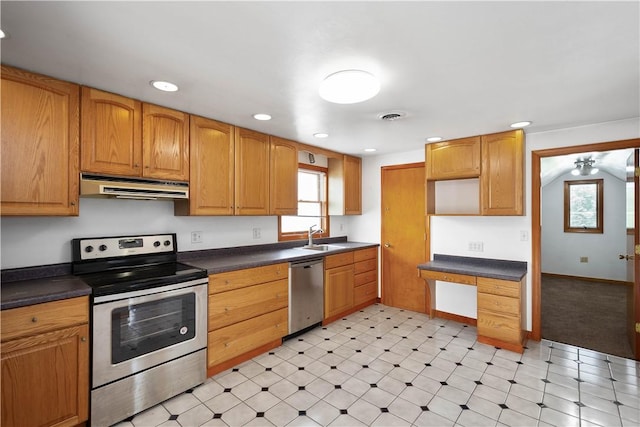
[(390, 367)]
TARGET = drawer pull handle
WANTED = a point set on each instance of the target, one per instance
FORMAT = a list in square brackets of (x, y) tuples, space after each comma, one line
[(34, 319)]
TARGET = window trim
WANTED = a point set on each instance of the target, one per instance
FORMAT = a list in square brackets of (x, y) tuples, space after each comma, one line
[(324, 207), (599, 229)]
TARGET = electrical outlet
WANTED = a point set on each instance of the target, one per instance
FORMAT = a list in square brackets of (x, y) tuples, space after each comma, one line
[(257, 234), (196, 237), (476, 246), (524, 235), (584, 259)]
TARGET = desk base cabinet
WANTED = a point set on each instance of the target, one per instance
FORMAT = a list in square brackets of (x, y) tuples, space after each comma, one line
[(500, 313)]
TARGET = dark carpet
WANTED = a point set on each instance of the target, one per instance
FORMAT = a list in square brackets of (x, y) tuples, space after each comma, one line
[(586, 314)]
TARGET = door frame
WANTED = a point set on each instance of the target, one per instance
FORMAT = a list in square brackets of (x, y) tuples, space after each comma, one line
[(536, 235)]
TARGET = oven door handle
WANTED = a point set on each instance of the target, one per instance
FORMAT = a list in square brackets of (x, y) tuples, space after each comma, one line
[(151, 291)]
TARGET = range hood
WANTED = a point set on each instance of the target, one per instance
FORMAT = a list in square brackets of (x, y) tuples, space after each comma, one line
[(131, 188)]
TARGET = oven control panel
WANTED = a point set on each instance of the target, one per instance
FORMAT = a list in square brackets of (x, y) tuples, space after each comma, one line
[(109, 247)]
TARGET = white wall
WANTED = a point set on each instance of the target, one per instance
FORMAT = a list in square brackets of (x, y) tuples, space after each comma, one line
[(561, 251)]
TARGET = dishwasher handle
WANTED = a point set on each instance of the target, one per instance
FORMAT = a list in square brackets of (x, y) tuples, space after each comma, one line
[(307, 263)]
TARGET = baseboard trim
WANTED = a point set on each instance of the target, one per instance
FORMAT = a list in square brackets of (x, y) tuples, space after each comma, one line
[(588, 279), (228, 364), (456, 317)]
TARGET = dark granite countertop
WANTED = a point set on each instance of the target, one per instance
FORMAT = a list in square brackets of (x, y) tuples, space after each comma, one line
[(35, 291), (221, 260), (481, 267), (34, 285)]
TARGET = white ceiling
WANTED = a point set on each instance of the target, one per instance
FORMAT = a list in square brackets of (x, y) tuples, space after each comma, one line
[(613, 162), (456, 68)]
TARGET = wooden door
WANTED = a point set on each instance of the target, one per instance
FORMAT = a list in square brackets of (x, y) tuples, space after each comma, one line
[(283, 190), (45, 379), (501, 182), (634, 330), (111, 139), (352, 185), (338, 290), (251, 173), (40, 144), (165, 143), (403, 236), (211, 169)]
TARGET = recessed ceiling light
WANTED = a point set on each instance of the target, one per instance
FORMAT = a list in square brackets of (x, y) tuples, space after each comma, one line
[(349, 87), (520, 124), (370, 150), (262, 116), (164, 86), (434, 139), (321, 135)]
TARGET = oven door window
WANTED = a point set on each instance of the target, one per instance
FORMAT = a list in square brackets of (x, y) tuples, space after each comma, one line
[(144, 328)]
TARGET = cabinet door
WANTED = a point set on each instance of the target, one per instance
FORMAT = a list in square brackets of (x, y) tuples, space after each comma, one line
[(502, 181), (453, 159), (165, 143), (251, 173), (45, 379), (284, 177), (352, 185), (211, 169), (111, 133), (40, 144), (338, 290)]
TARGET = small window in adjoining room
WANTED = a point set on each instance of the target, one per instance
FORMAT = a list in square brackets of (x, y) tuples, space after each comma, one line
[(312, 206), (583, 206)]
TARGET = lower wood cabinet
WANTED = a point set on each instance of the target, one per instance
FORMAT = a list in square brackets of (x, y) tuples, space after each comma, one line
[(500, 313), (45, 364), (248, 314), (366, 276)]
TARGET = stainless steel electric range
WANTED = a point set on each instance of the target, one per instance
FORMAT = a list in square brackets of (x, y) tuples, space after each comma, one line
[(148, 322)]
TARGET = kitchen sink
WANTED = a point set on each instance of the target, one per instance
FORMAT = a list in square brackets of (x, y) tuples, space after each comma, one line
[(323, 248)]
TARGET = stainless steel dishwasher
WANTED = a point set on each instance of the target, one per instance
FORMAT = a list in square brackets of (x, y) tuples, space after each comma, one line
[(306, 294)]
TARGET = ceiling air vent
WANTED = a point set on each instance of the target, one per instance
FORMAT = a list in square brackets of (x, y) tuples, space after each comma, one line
[(391, 116)]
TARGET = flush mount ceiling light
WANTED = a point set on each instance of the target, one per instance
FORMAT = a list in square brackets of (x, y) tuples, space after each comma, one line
[(584, 167), (262, 116), (349, 87), (434, 139), (164, 86), (370, 150), (321, 135), (518, 125)]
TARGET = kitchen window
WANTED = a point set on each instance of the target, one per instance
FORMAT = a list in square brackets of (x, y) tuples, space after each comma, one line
[(583, 206), (312, 205)]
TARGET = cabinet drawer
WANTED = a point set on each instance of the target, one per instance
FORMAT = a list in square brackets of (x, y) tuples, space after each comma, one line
[(498, 303), (366, 265), (499, 287), (229, 280), (365, 293), (499, 326), (337, 260), (362, 254), (241, 304), (448, 277), (367, 277), (48, 316), (237, 339)]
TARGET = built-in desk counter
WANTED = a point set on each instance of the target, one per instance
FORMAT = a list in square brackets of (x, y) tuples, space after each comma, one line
[(501, 294)]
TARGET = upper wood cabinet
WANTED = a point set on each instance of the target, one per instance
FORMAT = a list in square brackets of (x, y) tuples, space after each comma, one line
[(454, 159), (165, 143), (345, 185), (498, 188), (122, 136), (40, 144), (251, 172), (502, 180), (111, 133), (284, 177), (212, 169)]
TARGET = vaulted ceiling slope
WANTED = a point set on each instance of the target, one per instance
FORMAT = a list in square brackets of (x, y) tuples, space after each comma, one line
[(455, 68)]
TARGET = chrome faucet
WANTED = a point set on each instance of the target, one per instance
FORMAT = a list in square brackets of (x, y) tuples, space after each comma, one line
[(312, 232)]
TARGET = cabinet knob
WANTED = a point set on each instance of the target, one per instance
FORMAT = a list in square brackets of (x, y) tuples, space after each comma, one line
[(83, 339), (226, 282), (72, 203), (387, 245), (135, 165), (226, 309), (34, 319)]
